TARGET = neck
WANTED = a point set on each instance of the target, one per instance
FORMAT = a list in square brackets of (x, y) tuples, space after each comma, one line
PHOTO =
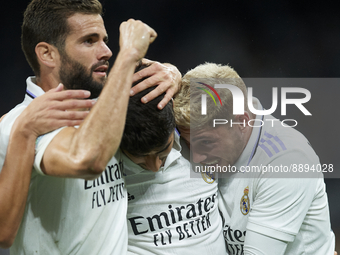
[(247, 136), (47, 82)]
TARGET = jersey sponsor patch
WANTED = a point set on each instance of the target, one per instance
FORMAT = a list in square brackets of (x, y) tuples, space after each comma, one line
[(108, 188), (245, 203), (234, 240), (176, 222), (208, 177)]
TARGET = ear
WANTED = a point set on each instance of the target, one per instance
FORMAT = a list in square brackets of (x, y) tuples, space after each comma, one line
[(244, 118), (47, 54)]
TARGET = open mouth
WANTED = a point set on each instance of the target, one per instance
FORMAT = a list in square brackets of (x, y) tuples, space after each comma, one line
[(101, 70), (211, 162)]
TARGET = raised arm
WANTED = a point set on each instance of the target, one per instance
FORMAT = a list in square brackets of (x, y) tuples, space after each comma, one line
[(84, 152), (44, 114)]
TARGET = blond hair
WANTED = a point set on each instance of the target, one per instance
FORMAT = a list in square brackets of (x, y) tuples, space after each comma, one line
[(187, 104)]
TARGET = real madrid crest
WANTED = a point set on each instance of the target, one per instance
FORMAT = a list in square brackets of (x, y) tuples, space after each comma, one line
[(208, 177), (245, 203)]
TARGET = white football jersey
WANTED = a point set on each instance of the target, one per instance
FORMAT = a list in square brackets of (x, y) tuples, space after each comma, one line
[(171, 213), (275, 203), (68, 215)]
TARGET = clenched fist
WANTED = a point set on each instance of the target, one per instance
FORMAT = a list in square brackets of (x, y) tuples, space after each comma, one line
[(135, 37)]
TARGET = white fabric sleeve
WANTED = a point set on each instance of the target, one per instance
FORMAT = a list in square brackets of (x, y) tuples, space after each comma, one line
[(258, 244), (280, 204), (40, 146)]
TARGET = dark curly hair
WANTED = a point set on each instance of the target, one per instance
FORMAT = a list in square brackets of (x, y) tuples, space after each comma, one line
[(147, 128)]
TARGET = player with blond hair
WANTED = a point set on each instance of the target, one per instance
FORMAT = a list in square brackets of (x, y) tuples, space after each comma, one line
[(262, 213)]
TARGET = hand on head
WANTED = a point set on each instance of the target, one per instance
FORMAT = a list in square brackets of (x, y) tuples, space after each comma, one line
[(166, 77)]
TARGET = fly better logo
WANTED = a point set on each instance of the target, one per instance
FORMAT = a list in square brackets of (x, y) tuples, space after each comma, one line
[(238, 99)]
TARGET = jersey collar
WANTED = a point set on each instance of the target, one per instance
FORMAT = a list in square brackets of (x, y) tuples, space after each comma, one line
[(250, 149), (33, 90)]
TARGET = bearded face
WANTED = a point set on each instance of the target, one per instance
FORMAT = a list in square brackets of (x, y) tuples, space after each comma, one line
[(74, 75)]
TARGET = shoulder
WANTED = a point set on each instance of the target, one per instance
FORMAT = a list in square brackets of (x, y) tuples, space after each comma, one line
[(279, 144), (8, 120), (5, 129)]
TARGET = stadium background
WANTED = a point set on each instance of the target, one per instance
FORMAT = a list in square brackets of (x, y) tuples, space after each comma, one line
[(267, 39)]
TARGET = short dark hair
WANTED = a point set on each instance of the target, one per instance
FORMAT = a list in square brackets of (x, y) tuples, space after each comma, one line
[(46, 21), (147, 128)]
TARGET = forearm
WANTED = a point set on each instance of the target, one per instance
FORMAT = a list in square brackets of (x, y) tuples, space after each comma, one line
[(98, 137), (14, 183)]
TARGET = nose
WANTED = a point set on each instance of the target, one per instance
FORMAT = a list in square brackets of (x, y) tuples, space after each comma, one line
[(197, 157), (104, 52), (153, 163)]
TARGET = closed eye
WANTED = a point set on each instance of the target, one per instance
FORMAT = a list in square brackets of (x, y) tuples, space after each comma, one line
[(205, 142), (163, 159)]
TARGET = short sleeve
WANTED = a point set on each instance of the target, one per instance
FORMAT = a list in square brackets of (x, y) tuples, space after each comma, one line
[(280, 206), (40, 146), (257, 244)]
